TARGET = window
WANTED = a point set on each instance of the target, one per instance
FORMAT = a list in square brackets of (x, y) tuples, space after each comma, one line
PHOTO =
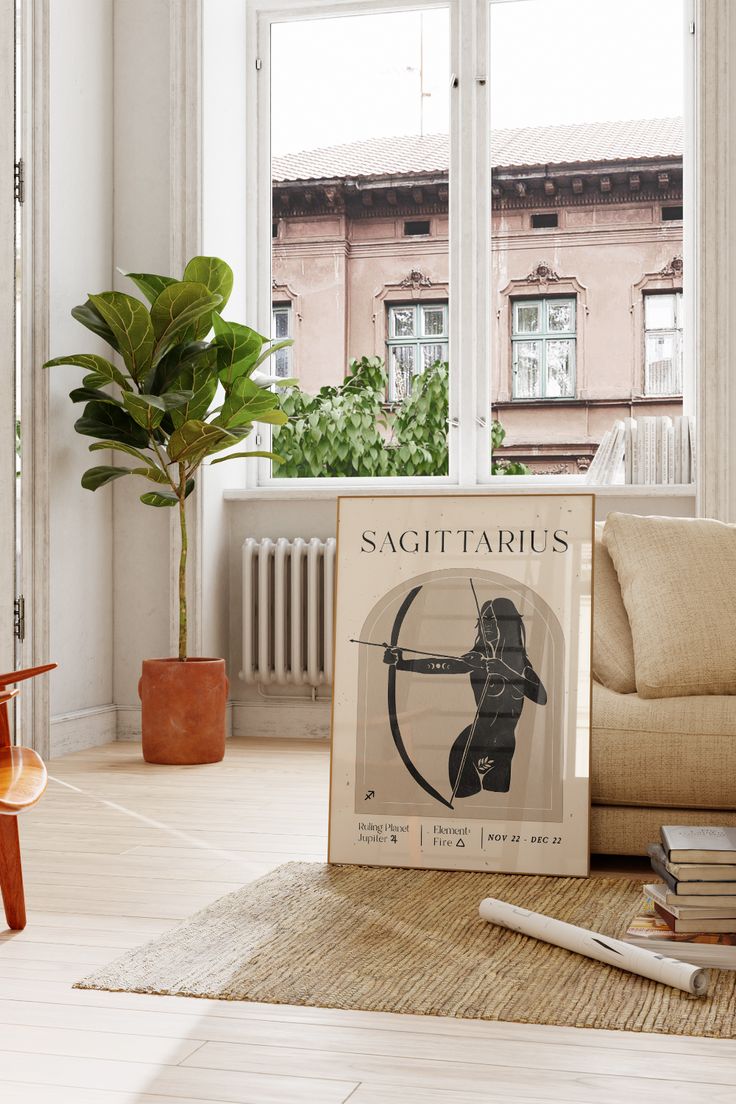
[(427, 196), (282, 359), (543, 348), (663, 343), (417, 339), (544, 221), (416, 228)]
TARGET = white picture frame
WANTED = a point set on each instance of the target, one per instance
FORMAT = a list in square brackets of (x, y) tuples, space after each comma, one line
[(461, 699)]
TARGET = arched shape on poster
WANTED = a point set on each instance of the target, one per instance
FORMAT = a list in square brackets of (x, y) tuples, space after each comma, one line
[(461, 714)]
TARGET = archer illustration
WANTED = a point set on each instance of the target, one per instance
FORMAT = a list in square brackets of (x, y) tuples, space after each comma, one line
[(501, 677)]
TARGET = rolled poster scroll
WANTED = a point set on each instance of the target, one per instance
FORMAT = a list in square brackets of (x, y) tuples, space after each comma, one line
[(614, 952)]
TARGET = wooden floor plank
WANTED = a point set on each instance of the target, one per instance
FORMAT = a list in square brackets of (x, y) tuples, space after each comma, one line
[(450, 1074)]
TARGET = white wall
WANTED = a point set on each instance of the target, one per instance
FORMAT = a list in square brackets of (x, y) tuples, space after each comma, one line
[(141, 244), (80, 216)]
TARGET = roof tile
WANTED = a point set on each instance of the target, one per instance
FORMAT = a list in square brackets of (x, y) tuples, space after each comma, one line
[(576, 143)]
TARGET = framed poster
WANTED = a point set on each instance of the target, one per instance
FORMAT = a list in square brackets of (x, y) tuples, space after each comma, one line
[(461, 700)]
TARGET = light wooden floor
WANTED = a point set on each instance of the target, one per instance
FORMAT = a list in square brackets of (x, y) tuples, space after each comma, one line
[(119, 851)]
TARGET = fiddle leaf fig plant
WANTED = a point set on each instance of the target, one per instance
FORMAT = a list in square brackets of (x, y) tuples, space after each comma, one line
[(184, 389)]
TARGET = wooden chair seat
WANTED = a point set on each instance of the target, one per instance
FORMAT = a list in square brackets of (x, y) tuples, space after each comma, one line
[(23, 779)]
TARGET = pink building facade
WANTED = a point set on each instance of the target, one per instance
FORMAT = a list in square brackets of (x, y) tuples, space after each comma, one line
[(587, 271)]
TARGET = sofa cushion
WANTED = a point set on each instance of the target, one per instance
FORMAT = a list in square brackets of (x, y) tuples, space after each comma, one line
[(678, 752), (618, 830), (678, 584), (613, 648)]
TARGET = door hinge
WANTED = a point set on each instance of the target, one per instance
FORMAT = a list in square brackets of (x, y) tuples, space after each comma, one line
[(19, 617), (20, 181), (259, 63), (691, 28)]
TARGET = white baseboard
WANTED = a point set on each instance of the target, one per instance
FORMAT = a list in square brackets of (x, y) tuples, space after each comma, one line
[(129, 722), (84, 728), (87, 728), (293, 720)]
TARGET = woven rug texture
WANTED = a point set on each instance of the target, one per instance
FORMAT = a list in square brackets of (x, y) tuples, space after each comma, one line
[(410, 941)]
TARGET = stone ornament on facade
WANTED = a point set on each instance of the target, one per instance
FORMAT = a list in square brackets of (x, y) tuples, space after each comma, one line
[(416, 279), (542, 273), (673, 268)]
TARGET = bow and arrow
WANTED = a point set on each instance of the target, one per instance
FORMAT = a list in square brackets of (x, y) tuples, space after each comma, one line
[(488, 662)]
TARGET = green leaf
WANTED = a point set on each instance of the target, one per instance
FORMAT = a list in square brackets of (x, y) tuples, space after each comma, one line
[(148, 410), (238, 349), (111, 423), (196, 439), (103, 371), (177, 308), (150, 284), (98, 477), (191, 354), (246, 403), (145, 410), (243, 455), (273, 348), (159, 498), (153, 473), (217, 277), (166, 498), (130, 323), (92, 394), (119, 446), (93, 320), (200, 380)]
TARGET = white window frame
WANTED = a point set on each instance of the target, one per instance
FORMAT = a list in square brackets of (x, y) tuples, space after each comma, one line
[(543, 336), (675, 332), (470, 349)]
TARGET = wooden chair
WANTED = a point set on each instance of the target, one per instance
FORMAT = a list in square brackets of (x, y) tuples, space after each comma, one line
[(22, 782)]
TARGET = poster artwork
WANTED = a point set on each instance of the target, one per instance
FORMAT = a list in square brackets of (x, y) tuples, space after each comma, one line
[(460, 734)]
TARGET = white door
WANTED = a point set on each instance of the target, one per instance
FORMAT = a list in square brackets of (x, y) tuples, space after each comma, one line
[(7, 334)]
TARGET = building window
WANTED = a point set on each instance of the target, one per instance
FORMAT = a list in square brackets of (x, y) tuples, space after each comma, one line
[(417, 338), (663, 343), (543, 348), (547, 220), (672, 214), (416, 228), (282, 358)]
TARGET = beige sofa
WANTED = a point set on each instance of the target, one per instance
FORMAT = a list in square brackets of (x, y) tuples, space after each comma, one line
[(656, 760)]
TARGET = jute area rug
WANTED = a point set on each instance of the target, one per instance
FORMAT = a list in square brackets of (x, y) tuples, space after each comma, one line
[(410, 941)]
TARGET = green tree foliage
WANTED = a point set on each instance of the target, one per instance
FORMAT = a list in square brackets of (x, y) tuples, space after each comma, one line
[(347, 430)]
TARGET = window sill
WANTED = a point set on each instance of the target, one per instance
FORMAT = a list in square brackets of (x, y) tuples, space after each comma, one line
[(311, 489)]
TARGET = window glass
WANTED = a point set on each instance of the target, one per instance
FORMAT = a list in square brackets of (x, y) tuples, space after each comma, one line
[(663, 344), (282, 362), (412, 344), (360, 156), (586, 232), (543, 369)]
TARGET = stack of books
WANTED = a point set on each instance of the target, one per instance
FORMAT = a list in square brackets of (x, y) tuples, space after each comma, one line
[(693, 908)]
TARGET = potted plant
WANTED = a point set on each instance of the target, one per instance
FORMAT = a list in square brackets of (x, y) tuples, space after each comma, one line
[(185, 389)]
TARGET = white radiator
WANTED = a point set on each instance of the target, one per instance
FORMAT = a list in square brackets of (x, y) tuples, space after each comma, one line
[(288, 588)]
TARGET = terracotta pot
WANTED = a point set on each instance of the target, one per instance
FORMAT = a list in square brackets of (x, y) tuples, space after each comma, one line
[(183, 712)]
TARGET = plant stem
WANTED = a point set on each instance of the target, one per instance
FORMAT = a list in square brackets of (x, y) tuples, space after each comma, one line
[(182, 563)]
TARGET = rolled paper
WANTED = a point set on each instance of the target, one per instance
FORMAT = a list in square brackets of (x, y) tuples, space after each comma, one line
[(614, 952)]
